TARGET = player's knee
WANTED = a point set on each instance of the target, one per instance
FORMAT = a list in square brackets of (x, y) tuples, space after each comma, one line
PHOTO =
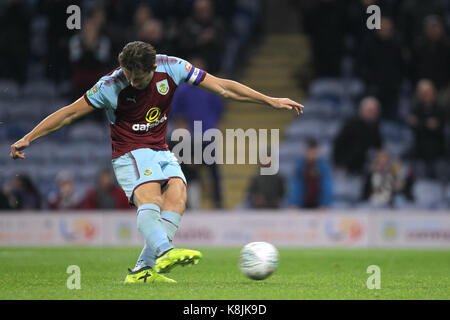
[(145, 199), (176, 203), (175, 197), (148, 193)]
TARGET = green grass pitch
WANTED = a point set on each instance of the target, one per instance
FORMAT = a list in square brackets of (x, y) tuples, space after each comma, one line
[(40, 273)]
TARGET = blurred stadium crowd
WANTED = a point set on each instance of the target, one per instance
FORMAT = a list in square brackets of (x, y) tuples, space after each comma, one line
[(375, 131), (376, 127)]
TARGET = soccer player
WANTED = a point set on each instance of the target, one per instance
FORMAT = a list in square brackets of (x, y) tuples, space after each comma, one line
[(136, 98)]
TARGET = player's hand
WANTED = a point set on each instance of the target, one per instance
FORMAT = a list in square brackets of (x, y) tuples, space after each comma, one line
[(285, 103), (16, 149)]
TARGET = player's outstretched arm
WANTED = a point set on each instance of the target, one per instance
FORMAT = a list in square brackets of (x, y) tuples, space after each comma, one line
[(53, 122), (236, 91)]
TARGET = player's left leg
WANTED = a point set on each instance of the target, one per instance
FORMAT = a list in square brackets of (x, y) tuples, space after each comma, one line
[(174, 204)]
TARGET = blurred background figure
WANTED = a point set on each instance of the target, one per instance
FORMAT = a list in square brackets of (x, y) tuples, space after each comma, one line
[(245, 29), (15, 22), (325, 23), (89, 53), (386, 183), (22, 194), (142, 14), (427, 121), (152, 31), (65, 197), (4, 203), (202, 34), (191, 170), (266, 191), (357, 136), (412, 15), (57, 36), (106, 194), (381, 67), (431, 54), (149, 29), (194, 104), (311, 184)]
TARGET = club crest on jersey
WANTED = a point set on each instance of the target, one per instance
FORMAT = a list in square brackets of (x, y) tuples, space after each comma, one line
[(163, 87)]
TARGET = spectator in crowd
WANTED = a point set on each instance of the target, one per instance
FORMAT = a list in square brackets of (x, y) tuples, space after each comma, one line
[(243, 29), (386, 183), (152, 31), (120, 11), (324, 21), (66, 196), (311, 185), (194, 104), (357, 136), (412, 16), (89, 53), (4, 202), (431, 54), (190, 169), (356, 16), (427, 121), (106, 195), (145, 27), (142, 14), (380, 65), (203, 34), (14, 40), (57, 38), (22, 194), (266, 191)]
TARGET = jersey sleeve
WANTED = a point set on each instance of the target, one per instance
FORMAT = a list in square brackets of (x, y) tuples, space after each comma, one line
[(95, 97), (103, 95), (183, 71)]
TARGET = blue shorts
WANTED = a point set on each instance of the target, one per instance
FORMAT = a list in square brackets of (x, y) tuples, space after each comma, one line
[(145, 165)]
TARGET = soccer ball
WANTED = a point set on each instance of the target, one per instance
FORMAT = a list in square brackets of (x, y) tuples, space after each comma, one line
[(258, 260)]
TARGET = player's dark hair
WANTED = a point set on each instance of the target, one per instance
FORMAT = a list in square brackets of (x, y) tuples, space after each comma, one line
[(138, 56)]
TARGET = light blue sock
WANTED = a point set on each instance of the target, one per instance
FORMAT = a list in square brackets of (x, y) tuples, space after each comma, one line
[(147, 258), (170, 221), (150, 225)]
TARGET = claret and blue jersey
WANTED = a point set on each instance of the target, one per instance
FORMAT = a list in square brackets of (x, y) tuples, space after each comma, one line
[(138, 118)]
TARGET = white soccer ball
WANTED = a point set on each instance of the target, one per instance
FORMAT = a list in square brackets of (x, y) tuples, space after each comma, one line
[(258, 260)]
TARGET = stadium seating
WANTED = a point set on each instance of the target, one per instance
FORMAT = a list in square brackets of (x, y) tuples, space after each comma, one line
[(324, 116)]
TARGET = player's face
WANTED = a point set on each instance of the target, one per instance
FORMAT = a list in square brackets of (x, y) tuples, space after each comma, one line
[(139, 80)]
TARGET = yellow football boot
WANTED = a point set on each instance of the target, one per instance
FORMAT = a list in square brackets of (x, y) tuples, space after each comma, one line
[(176, 256), (146, 275)]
